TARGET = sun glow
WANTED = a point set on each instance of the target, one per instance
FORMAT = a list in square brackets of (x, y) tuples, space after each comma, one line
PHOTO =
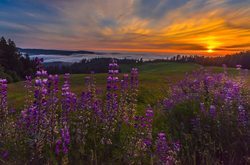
[(210, 50)]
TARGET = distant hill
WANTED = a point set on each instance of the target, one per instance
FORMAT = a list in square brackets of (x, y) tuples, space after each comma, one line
[(50, 51)]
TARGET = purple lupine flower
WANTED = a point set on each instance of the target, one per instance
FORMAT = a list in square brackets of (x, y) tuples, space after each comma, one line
[(116, 72), (115, 87), (116, 79), (36, 60), (38, 82), (161, 135), (44, 73), (213, 111), (67, 141), (143, 125), (242, 116), (108, 87), (57, 149), (87, 78), (110, 71), (192, 121), (115, 65), (238, 67), (5, 154), (149, 113), (111, 65), (62, 131), (142, 118), (38, 74), (50, 77), (67, 132), (109, 79), (64, 149), (111, 103), (59, 141), (147, 141), (203, 108)]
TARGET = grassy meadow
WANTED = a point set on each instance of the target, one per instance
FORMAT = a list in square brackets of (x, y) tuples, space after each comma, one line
[(152, 76), (161, 113)]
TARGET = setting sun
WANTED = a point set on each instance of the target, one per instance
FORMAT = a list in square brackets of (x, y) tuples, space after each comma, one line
[(210, 50)]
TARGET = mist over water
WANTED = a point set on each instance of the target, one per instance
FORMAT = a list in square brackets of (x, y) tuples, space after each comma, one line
[(106, 54)]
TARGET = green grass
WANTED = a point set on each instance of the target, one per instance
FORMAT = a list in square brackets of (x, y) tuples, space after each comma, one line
[(152, 76)]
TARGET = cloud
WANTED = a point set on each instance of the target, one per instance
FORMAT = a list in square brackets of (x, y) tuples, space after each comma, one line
[(191, 25), (238, 46)]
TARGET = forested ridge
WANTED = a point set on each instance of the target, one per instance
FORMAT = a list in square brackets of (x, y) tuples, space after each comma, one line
[(241, 58), (48, 51)]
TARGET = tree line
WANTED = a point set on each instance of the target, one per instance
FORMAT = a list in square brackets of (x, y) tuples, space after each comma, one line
[(13, 65), (241, 58)]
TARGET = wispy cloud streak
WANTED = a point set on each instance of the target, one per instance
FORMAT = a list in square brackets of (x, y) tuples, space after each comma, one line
[(191, 26)]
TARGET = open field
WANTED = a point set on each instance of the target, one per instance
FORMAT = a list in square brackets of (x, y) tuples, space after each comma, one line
[(196, 118), (152, 76)]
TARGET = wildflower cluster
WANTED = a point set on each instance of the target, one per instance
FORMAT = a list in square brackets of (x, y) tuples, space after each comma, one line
[(57, 127), (166, 154), (4, 120), (214, 110)]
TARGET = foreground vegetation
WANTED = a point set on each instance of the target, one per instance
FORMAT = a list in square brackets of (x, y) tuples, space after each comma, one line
[(152, 77), (198, 117)]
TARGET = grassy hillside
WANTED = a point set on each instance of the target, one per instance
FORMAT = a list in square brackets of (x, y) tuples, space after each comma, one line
[(152, 76)]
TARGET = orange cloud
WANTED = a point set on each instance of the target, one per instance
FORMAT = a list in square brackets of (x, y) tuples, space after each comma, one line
[(187, 26)]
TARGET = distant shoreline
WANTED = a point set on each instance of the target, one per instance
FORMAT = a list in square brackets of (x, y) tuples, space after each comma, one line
[(54, 52)]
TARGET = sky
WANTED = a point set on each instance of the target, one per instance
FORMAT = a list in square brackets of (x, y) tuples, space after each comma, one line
[(208, 27)]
